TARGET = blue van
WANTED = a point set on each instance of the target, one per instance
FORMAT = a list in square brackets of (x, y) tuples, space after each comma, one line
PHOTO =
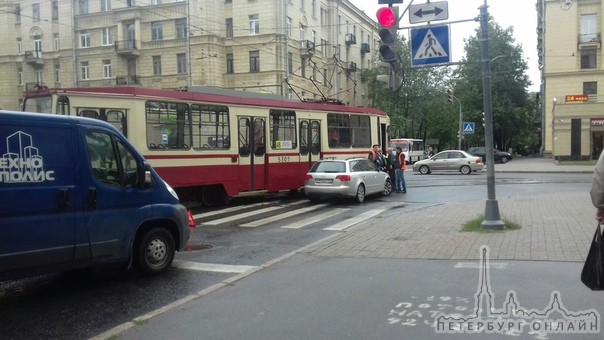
[(74, 193)]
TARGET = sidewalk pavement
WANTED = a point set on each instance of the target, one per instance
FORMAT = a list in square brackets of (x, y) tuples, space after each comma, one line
[(555, 227)]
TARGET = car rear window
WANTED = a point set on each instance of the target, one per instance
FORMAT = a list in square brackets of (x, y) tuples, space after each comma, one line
[(329, 167)]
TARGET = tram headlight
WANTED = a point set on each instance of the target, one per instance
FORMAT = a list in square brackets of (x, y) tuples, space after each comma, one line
[(171, 190)]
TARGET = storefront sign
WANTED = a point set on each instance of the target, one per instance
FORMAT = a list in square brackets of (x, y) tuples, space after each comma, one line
[(596, 122), (576, 98)]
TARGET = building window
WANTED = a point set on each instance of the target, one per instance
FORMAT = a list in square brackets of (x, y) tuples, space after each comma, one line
[(230, 67), (181, 28), (303, 67), (83, 6), (19, 76), (589, 28), (39, 77), (57, 41), (55, 10), (57, 73), (155, 2), (105, 5), (314, 8), (181, 63), (590, 87), (289, 27), (157, 31), (323, 47), (107, 39), (229, 27), (19, 46), (254, 24), (84, 39), (290, 62), (156, 65), (35, 12), (84, 70), (254, 61), (588, 58), (323, 17), (302, 34), (38, 46), (106, 69), (129, 3), (17, 13)]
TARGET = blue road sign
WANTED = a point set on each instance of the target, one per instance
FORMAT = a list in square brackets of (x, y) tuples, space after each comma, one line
[(430, 46), (468, 128)]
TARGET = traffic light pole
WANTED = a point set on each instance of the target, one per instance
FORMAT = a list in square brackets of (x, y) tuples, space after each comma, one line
[(492, 218), (460, 137)]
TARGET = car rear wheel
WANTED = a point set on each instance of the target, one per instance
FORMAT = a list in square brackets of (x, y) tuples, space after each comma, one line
[(387, 188), (465, 170), (424, 170), (503, 159), (360, 197)]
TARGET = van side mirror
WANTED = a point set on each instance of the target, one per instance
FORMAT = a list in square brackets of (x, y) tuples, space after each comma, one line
[(145, 176)]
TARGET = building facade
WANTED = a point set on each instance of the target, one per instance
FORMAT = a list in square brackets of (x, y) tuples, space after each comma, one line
[(306, 49), (570, 49)]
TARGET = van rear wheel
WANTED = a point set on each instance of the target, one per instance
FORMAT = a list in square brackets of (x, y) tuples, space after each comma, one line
[(155, 251)]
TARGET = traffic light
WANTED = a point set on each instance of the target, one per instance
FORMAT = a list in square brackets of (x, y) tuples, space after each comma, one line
[(450, 96), (393, 79), (387, 17), (483, 119)]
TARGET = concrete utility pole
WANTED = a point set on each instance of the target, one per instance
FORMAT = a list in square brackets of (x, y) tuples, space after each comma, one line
[(492, 219)]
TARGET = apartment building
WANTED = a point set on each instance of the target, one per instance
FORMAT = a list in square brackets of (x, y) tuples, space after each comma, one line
[(306, 49), (570, 49)]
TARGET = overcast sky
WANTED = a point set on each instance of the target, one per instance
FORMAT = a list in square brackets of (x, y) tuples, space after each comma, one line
[(520, 14)]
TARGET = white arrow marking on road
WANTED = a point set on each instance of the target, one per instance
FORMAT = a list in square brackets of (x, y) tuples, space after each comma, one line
[(213, 267)]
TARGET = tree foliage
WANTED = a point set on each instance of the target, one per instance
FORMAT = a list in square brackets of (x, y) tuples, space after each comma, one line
[(420, 108)]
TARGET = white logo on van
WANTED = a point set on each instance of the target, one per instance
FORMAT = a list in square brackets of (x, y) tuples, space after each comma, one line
[(21, 163)]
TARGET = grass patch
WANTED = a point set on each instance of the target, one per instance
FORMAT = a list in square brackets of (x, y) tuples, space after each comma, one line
[(140, 322), (474, 226), (590, 162)]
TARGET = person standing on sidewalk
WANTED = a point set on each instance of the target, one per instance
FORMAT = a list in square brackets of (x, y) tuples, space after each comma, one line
[(400, 171), (391, 164), (373, 154), (597, 189)]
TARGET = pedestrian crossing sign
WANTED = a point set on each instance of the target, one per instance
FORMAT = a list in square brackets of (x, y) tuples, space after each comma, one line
[(468, 128), (430, 46)]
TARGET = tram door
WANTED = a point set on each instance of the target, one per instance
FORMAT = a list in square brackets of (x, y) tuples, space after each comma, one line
[(252, 153), (310, 145)]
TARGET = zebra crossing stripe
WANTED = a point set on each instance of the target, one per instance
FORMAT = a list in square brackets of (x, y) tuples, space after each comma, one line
[(358, 219), (271, 219), (213, 267), (315, 219)]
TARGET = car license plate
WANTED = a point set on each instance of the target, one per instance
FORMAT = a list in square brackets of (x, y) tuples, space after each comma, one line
[(323, 181)]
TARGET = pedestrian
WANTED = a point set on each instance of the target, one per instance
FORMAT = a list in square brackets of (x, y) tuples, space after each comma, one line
[(430, 152), (392, 165), (400, 171), (373, 154), (597, 189), (381, 164)]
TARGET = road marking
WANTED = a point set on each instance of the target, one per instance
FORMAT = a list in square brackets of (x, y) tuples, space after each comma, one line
[(315, 219), (358, 219), (213, 267), (251, 213), (287, 214), (476, 265), (231, 209)]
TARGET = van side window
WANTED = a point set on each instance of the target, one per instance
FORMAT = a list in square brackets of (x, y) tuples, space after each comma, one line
[(111, 165)]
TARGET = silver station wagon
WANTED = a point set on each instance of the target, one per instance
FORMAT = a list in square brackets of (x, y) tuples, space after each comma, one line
[(354, 178)]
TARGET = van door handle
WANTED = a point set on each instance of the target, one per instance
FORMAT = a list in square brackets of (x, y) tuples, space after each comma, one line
[(63, 198), (91, 197)]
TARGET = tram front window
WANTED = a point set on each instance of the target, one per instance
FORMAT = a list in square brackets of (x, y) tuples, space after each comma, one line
[(38, 104)]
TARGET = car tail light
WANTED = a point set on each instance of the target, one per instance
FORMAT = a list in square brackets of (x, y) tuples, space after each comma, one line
[(307, 178), (343, 178), (478, 160)]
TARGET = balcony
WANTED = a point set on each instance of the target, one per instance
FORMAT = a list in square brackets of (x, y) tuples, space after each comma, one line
[(33, 58), (365, 48), (350, 39), (126, 48), (351, 67), (589, 40), (127, 80), (307, 49)]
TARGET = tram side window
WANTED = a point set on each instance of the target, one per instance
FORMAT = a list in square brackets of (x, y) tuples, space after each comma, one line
[(338, 130), (283, 129), (167, 125), (211, 127), (360, 127)]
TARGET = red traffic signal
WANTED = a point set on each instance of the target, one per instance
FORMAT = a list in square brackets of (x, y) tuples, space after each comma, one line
[(387, 17)]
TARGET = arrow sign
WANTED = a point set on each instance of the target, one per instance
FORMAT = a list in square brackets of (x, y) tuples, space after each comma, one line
[(430, 11)]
